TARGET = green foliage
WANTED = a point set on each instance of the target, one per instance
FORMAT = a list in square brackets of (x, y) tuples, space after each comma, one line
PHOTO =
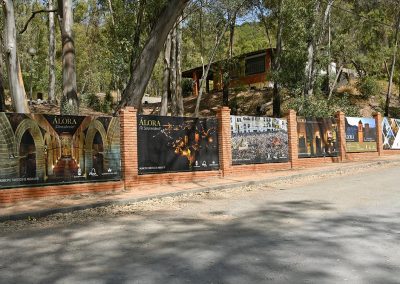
[(104, 43), (92, 101), (234, 104), (187, 87), (318, 106), (369, 87), (107, 105)]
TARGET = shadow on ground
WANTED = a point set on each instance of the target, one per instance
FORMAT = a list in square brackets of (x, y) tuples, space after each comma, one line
[(285, 242)]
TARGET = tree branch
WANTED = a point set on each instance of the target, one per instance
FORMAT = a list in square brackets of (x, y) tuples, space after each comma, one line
[(33, 16)]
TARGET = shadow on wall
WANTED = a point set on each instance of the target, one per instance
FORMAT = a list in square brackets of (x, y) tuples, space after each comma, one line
[(289, 242)]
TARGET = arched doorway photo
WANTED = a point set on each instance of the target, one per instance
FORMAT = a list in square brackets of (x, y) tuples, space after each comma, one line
[(97, 154), (27, 154)]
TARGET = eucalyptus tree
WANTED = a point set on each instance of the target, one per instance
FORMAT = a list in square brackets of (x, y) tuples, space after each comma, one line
[(14, 73), (226, 12), (143, 66), (69, 103), (271, 14), (52, 53), (2, 94)]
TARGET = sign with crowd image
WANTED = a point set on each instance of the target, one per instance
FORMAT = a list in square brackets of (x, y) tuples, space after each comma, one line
[(317, 137), (360, 135), (177, 144), (391, 134), (257, 140), (52, 149)]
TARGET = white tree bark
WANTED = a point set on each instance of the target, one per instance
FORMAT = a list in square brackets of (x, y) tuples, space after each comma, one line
[(17, 89), (396, 43), (52, 55), (166, 76), (205, 74), (173, 73), (313, 44), (2, 98), (179, 96)]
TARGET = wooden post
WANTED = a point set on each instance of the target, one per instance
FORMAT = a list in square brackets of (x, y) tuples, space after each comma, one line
[(195, 85), (224, 140)]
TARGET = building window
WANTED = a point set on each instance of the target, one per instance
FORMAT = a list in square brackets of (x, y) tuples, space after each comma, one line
[(255, 65)]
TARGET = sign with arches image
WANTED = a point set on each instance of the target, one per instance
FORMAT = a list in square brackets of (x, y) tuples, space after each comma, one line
[(317, 137), (53, 149)]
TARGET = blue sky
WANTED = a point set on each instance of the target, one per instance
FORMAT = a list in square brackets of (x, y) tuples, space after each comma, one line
[(355, 120)]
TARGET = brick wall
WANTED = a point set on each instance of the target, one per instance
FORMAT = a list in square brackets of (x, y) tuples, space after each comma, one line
[(26, 193), (131, 180)]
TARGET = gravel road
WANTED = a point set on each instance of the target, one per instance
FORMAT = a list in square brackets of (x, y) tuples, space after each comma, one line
[(330, 229)]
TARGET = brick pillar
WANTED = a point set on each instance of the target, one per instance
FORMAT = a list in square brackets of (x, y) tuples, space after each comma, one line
[(379, 138), (224, 140), (293, 138), (341, 124), (129, 158)]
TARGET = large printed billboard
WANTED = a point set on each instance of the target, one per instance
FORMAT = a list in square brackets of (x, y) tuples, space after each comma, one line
[(259, 140), (360, 134), (391, 134), (317, 137), (177, 144), (51, 149)]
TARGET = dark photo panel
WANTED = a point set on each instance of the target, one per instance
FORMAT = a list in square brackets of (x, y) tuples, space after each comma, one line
[(177, 144)]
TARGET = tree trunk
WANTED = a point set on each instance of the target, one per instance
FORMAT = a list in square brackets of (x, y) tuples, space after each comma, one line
[(144, 66), (389, 92), (309, 70), (312, 49), (111, 12), (328, 71), (52, 55), (227, 79), (205, 74), (69, 101), (179, 96), (173, 73), (276, 64), (15, 81), (2, 95), (138, 32), (166, 77), (332, 88)]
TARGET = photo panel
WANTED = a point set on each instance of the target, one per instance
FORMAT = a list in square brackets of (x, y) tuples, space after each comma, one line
[(258, 140), (317, 137), (177, 144), (54, 149), (360, 135)]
